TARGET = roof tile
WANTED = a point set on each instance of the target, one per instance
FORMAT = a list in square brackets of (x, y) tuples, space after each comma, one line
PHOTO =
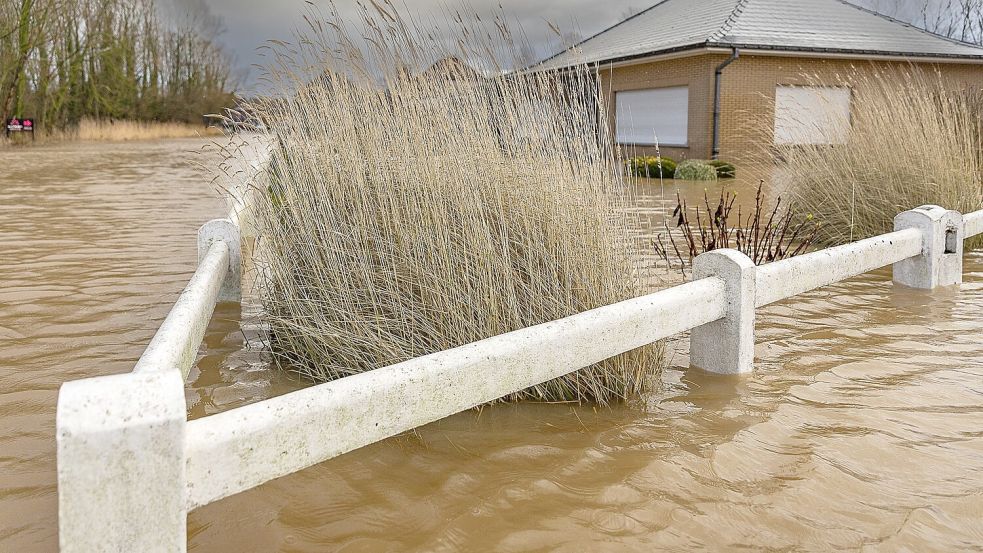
[(791, 25)]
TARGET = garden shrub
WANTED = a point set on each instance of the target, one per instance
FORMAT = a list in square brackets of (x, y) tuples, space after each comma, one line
[(724, 169), (652, 167), (694, 169)]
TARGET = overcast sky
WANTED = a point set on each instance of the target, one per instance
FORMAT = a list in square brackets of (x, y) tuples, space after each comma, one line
[(249, 23)]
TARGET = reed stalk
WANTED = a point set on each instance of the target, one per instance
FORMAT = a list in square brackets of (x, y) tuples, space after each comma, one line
[(101, 130), (422, 198), (914, 139)]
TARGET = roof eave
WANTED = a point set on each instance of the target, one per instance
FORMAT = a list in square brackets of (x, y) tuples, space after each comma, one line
[(784, 51), (634, 59), (765, 49)]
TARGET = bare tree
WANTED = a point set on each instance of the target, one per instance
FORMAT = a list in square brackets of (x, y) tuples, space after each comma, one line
[(64, 60), (958, 19), (631, 11)]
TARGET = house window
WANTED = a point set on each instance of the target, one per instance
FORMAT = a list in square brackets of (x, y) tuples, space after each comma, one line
[(812, 115), (656, 115)]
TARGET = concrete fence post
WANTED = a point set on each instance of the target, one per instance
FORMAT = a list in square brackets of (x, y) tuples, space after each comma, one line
[(224, 230), (121, 463), (941, 260), (726, 346)]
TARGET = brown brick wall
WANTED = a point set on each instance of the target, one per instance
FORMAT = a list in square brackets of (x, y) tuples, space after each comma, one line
[(747, 94), (696, 72)]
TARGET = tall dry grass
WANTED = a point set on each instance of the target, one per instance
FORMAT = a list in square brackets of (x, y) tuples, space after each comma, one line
[(412, 210), (119, 130), (915, 139)]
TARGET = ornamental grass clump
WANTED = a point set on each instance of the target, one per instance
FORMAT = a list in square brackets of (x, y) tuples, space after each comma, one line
[(421, 199), (915, 138)]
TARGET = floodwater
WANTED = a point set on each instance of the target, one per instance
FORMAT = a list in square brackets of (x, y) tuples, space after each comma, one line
[(859, 429)]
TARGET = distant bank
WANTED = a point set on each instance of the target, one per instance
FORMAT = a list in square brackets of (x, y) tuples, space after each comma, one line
[(116, 130)]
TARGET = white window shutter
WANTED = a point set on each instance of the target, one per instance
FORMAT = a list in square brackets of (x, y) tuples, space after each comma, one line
[(655, 115), (812, 115)]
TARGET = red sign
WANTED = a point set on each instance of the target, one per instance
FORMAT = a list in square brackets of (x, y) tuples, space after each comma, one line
[(15, 124)]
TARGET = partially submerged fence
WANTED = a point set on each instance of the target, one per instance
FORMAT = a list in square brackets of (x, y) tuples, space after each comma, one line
[(131, 466)]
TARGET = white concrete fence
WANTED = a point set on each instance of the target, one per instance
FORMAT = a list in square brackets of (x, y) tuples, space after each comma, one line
[(131, 466)]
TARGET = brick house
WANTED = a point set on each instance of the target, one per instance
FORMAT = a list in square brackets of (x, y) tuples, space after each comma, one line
[(707, 78)]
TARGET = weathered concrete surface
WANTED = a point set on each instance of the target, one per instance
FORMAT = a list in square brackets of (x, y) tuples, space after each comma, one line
[(726, 346), (973, 223), (130, 465), (121, 464), (940, 262), (242, 448), (177, 340), (224, 230), (790, 277)]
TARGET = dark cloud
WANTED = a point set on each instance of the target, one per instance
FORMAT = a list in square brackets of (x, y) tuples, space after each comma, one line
[(248, 24)]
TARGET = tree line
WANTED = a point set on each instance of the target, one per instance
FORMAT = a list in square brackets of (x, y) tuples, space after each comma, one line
[(958, 19), (62, 61)]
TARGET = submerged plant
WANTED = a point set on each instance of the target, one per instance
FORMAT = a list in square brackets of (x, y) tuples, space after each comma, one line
[(651, 167), (764, 236), (725, 170), (693, 169), (421, 199)]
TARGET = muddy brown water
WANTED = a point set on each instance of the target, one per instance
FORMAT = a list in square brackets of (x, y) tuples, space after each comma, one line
[(859, 429)]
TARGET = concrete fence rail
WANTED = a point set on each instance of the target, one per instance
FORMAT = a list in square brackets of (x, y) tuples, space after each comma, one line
[(131, 466), (974, 223), (779, 281), (218, 278), (241, 448)]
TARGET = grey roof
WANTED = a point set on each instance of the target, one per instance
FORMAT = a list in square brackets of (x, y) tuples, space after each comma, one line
[(834, 26)]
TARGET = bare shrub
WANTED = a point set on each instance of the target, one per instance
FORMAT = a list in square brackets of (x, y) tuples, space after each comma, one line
[(764, 236)]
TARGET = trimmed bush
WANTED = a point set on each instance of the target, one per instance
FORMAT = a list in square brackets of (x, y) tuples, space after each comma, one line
[(633, 165), (724, 169), (652, 167), (694, 169), (664, 167)]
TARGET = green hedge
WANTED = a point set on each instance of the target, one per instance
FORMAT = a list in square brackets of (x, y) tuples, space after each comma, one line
[(652, 167), (724, 169), (694, 169)]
